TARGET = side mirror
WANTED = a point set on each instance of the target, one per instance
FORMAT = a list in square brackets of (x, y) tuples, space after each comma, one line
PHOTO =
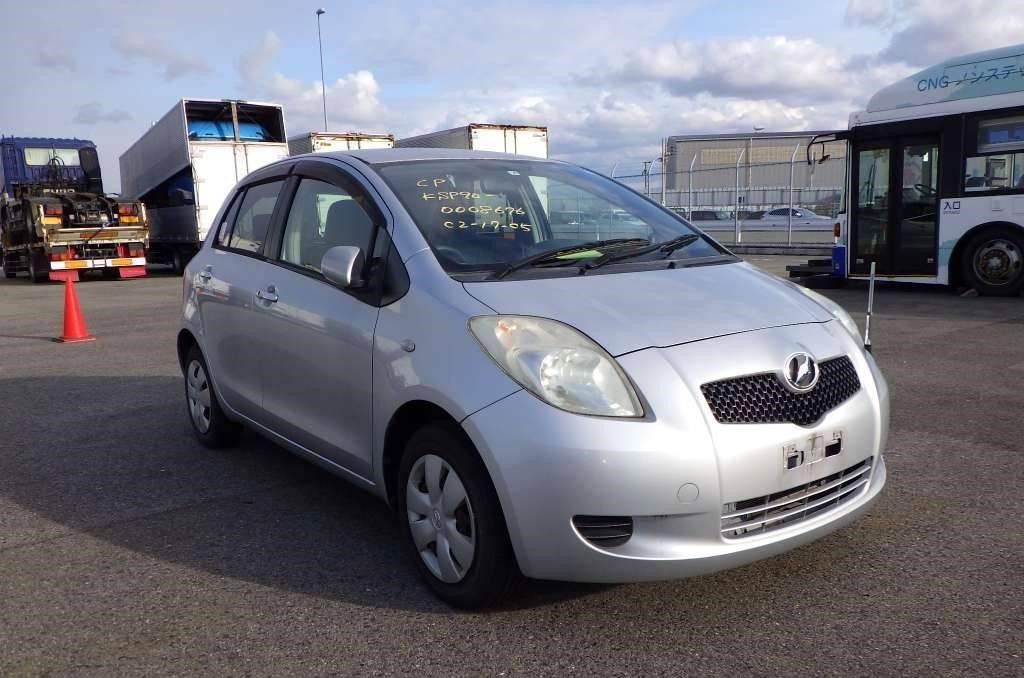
[(343, 266)]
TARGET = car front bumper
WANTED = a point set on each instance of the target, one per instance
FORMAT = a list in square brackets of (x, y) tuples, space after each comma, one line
[(674, 473)]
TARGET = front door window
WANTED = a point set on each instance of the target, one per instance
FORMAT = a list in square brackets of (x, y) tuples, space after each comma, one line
[(917, 218), (872, 206)]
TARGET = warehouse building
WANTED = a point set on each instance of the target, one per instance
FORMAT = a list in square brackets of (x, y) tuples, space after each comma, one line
[(704, 170)]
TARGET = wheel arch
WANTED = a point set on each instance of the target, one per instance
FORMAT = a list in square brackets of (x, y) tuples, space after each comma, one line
[(186, 340), (956, 256), (406, 420)]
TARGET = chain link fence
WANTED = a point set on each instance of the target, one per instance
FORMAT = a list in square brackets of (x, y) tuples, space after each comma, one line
[(772, 203)]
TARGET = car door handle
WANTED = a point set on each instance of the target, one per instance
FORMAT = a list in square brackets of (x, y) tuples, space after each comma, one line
[(268, 295), (206, 274)]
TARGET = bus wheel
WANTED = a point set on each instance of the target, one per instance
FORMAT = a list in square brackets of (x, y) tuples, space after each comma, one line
[(993, 262)]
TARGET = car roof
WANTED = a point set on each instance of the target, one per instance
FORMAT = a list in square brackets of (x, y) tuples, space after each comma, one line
[(374, 156)]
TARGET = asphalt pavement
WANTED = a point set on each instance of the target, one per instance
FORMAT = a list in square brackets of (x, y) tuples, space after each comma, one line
[(128, 549)]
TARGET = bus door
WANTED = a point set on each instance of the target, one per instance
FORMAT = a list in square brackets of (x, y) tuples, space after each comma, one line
[(894, 220)]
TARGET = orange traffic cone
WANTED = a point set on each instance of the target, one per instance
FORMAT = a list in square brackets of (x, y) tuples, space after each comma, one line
[(74, 323)]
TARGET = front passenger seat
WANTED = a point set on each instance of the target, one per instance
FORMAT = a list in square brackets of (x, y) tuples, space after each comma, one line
[(346, 224)]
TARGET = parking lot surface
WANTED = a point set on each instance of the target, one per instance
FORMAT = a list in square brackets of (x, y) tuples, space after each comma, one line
[(126, 548)]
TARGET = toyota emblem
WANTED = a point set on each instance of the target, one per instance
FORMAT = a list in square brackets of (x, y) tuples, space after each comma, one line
[(800, 373)]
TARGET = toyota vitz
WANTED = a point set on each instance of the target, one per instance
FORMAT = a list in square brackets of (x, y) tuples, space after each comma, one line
[(599, 399)]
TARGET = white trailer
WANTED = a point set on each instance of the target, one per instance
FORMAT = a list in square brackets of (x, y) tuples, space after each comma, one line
[(518, 139), (316, 142), (183, 167)]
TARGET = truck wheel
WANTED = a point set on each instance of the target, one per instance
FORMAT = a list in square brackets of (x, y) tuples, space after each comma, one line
[(10, 268), (178, 261), (209, 423), (993, 262), (37, 271), (452, 522)]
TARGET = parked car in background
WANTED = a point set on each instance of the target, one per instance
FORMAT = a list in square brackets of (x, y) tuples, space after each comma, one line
[(628, 408), (802, 217)]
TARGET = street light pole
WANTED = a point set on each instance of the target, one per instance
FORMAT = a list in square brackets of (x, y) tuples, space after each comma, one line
[(323, 81)]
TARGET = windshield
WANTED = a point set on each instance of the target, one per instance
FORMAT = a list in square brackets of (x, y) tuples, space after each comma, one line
[(35, 157), (483, 215)]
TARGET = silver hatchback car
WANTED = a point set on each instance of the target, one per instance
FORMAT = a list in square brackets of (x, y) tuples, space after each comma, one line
[(600, 399)]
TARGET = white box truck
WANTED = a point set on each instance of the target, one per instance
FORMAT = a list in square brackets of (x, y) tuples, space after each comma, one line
[(519, 139), (183, 167), (316, 142)]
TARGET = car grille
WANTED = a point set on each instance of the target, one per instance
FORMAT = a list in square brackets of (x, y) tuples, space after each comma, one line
[(762, 399), (756, 516), (604, 531)]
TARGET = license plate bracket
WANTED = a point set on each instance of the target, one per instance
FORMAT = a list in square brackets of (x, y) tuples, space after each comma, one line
[(811, 450)]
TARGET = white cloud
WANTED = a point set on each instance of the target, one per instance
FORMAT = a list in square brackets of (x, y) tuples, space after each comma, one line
[(55, 57), (94, 114), (253, 63), (793, 71), (868, 12), (175, 64), (352, 100), (928, 32)]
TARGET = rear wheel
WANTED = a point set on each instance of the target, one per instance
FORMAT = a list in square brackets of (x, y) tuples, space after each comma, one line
[(10, 267), (209, 423), (38, 267), (178, 260), (993, 262), (452, 521)]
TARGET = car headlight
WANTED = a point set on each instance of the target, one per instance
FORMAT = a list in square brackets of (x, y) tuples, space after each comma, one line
[(836, 310), (558, 364)]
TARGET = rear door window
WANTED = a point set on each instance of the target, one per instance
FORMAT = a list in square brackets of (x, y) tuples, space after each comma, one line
[(249, 232)]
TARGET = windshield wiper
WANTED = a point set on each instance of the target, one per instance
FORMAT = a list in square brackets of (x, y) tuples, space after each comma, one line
[(553, 255), (668, 247)]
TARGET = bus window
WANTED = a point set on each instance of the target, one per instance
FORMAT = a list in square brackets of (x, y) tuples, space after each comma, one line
[(994, 172)]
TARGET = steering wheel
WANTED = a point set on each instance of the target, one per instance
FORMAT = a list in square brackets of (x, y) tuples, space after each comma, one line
[(925, 190), (451, 253)]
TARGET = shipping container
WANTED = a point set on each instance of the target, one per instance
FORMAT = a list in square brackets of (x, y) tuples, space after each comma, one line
[(317, 142), (518, 139), (185, 165)]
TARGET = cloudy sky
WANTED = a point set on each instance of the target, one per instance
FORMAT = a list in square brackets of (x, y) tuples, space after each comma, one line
[(609, 79)]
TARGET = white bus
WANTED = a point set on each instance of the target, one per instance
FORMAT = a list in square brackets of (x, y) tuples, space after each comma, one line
[(935, 188)]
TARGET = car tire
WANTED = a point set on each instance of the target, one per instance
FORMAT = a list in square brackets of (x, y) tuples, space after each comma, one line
[(993, 262), (452, 521), (209, 423)]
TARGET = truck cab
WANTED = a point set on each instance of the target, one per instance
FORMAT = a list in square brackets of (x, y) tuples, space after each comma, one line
[(55, 219)]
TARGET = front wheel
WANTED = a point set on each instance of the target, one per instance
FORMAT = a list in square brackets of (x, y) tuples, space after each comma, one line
[(993, 262), (452, 521)]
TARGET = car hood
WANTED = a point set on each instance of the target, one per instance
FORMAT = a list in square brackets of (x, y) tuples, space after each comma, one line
[(626, 312)]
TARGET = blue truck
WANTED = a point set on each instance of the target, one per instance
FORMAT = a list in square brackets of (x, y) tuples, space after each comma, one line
[(55, 219)]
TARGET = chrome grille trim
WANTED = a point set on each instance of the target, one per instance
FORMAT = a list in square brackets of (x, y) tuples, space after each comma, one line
[(759, 515)]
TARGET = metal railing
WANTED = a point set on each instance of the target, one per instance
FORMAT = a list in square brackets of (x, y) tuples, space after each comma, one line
[(737, 197)]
